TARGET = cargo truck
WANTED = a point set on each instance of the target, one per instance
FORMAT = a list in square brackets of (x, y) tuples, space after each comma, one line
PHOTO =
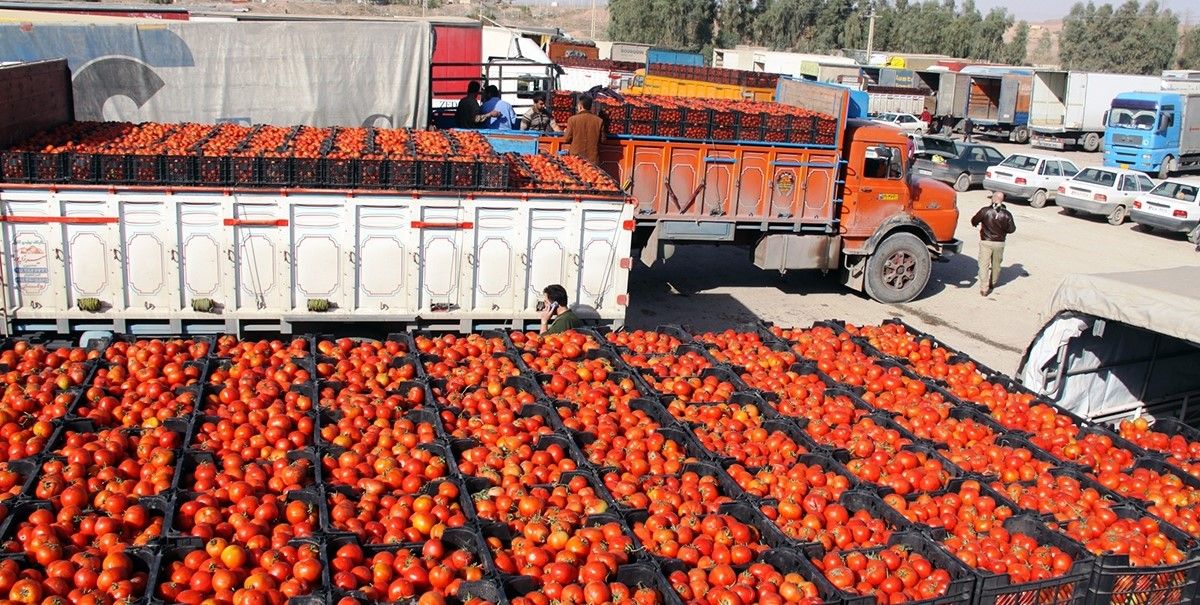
[(673, 57), (1068, 107), (1156, 132), (945, 93), (849, 206), (998, 101), (202, 259), (702, 82)]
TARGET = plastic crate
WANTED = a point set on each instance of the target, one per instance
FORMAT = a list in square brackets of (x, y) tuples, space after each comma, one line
[(340, 172), (114, 168), (212, 171), (493, 175), (1117, 582), (147, 169), (308, 172), (48, 167), (432, 173), (1174, 427), (1071, 588), (462, 174), (244, 170), (14, 166), (962, 581), (275, 171), (180, 169)]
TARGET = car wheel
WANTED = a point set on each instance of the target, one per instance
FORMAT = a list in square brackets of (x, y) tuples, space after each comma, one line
[(898, 270), (963, 182), (1118, 215), (1194, 236), (1039, 199), (1168, 166)]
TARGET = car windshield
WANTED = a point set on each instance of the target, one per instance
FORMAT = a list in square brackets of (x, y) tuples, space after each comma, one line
[(1020, 162), (1176, 191), (1137, 118), (887, 117), (1093, 176)]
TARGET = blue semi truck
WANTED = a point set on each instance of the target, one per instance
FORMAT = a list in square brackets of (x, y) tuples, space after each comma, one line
[(1155, 132)]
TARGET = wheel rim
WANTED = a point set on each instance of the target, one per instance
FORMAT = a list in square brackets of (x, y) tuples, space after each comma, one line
[(963, 182), (900, 269)]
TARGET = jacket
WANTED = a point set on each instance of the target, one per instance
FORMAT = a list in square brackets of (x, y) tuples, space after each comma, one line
[(584, 133), (994, 222)]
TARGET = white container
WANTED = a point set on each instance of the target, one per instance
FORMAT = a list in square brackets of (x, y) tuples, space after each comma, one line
[(434, 259)]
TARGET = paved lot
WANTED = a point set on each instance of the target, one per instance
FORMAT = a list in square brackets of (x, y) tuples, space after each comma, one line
[(716, 287)]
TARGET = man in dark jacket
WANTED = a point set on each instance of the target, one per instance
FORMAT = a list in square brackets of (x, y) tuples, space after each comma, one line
[(468, 113), (995, 222)]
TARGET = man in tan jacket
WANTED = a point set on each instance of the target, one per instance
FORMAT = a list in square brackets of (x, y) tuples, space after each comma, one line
[(585, 132)]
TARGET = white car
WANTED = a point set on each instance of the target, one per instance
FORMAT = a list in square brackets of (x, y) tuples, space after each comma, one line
[(904, 121), (1108, 192), (1028, 176), (1174, 205)]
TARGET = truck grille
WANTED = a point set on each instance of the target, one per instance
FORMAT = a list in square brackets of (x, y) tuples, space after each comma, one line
[(1127, 139)]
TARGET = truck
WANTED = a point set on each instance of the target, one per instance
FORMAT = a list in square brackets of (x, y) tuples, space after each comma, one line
[(703, 82), (572, 49), (848, 206), (889, 99), (582, 75), (163, 259), (1157, 132), (998, 102), (629, 52), (1068, 107), (673, 57), (835, 73), (945, 97)]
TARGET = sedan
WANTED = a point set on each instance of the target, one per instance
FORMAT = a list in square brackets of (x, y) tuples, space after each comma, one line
[(1026, 176), (1108, 192), (1174, 205), (960, 164), (904, 121)]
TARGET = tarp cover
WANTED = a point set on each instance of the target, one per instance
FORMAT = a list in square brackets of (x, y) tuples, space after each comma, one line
[(316, 73), (1166, 301), (1118, 342)]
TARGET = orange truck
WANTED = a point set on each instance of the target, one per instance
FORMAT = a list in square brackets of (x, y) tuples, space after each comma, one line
[(851, 205)]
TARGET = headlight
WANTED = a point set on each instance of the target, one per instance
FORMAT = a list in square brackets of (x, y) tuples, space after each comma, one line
[(1146, 157)]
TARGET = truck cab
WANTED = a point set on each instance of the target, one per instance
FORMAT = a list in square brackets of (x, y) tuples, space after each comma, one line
[(1143, 131)]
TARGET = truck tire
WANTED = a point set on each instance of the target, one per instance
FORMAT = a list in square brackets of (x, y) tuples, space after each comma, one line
[(898, 270), (1118, 216), (1020, 135), (1039, 199), (963, 182), (1167, 167), (1091, 142)]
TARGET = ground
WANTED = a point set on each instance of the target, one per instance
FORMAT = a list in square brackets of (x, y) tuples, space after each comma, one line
[(709, 288)]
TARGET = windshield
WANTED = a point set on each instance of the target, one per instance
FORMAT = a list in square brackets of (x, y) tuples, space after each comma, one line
[(1020, 162), (1133, 114), (1179, 191), (1093, 176), (941, 146)]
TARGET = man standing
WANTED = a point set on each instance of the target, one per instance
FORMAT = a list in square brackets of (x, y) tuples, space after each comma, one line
[(928, 119), (538, 118), (995, 222), (968, 131), (556, 317), (504, 116), (468, 114), (585, 132)]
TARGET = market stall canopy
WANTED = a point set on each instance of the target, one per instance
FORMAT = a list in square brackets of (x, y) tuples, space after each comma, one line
[(1120, 344)]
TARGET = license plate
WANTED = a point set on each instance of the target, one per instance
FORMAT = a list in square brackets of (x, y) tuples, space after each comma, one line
[(1124, 166), (923, 171)]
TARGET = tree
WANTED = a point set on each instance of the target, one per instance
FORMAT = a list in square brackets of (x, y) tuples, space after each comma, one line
[(735, 22), (1133, 38), (1043, 50), (1015, 49), (1189, 50), (678, 24)]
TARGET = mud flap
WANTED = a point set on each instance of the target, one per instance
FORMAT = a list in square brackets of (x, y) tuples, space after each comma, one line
[(854, 272), (655, 249)]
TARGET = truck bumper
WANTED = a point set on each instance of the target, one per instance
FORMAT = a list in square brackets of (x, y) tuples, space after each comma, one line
[(1085, 206), (1022, 192), (953, 246), (1050, 141), (1166, 223), (1129, 158)]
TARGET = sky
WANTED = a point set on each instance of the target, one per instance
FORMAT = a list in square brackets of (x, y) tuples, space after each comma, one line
[(1041, 10)]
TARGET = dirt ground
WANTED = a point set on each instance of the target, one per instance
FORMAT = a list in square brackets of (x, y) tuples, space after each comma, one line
[(710, 287)]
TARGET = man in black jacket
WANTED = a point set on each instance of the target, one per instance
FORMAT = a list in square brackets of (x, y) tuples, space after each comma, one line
[(995, 222)]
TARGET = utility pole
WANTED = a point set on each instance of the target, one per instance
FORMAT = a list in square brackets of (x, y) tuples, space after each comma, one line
[(593, 20), (870, 30)]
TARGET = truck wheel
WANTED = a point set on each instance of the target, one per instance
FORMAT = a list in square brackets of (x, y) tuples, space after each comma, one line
[(1039, 199), (963, 182), (1118, 216), (1091, 142), (1167, 167), (1020, 135), (898, 270)]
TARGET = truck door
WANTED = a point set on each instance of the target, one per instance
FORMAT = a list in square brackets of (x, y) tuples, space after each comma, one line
[(881, 189)]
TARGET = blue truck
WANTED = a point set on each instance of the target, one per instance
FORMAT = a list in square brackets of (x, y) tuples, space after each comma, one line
[(674, 57), (1155, 132)]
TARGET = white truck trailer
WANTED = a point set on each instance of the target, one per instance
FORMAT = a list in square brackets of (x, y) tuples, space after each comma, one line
[(1069, 107)]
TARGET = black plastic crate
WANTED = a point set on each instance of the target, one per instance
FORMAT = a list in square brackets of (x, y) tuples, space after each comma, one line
[(404, 173), (180, 169), (14, 166), (1071, 588), (433, 173), (962, 581), (275, 171), (493, 175), (371, 174), (48, 167), (462, 174), (308, 172), (1174, 427), (117, 169), (245, 170), (827, 463), (854, 500), (1116, 581), (213, 171), (147, 169), (340, 172)]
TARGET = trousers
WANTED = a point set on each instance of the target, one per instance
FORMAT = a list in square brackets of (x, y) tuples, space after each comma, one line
[(991, 256)]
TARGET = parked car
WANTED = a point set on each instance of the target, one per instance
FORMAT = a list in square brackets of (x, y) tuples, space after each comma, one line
[(1027, 176), (954, 162), (904, 121), (1108, 192), (1174, 205)]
